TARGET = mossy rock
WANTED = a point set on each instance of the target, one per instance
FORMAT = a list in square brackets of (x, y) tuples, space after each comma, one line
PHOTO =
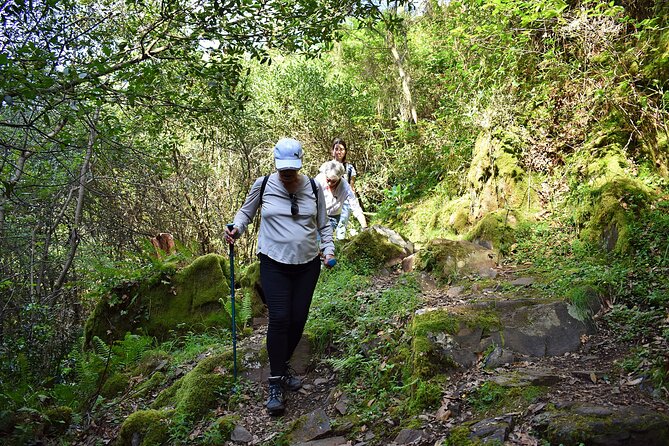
[(249, 280), (438, 335), (57, 420), (200, 389), (156, 380), (115, 385), (495, 177), (610, 211), (449, 258), (152, 361), (221, 429), (189, 301), (495, 230), (151, 427), (374, 247), (438, 216), (574, 424)]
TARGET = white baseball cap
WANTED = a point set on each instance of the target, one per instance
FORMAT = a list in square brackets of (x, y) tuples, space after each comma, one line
[(288, 154)]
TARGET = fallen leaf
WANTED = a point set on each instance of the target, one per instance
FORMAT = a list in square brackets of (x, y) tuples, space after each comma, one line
[(593, 377)]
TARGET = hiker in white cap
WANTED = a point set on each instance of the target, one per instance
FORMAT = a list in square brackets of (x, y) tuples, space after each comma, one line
[(292, 207)]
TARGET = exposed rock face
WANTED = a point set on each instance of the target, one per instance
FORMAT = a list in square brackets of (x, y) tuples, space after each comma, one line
[(574, 424), (380, 245), (541, 329), (524, 327), (448, 257), (187, 300)]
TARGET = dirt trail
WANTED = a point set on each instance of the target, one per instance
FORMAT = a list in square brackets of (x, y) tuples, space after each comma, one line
[(589, 375)]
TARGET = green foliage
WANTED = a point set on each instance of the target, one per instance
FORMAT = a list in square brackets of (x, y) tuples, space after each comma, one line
[(490, 398), (362, 333), (187, 347), (636, 286), (244, 313)]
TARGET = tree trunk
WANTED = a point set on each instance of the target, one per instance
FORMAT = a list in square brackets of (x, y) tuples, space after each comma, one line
[(74, 232), (407, 107)]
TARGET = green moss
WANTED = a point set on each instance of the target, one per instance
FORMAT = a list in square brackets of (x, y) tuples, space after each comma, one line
[(438, 216), (611, 210), (491, 399), (115, 384), (205, 280), (58, 420), (188, 301), (459, 436), (496, 228), (151, 361), (426, 361), (425, 394), (156, 380), (152, 426), (495, 176), (200, 389), (249, 280), (371, 248)]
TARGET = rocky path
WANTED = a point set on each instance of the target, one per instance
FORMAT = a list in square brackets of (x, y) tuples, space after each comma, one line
[(588, 382)]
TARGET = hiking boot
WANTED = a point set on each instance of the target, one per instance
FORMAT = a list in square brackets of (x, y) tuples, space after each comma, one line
[(290, 381), (276, 403)]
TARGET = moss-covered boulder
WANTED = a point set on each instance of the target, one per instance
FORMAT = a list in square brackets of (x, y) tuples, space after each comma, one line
[(495, 230), (446, 339), (57, 420), (145, 428), (449, 258), (611, 209), (438, 216), (496, 178), (609, 196), (378, 246), (577, 423), (249, 280), (200, 389), (114, 385), (189, 300)]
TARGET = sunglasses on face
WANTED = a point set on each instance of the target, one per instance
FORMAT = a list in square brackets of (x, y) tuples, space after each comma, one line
[(294, 208)]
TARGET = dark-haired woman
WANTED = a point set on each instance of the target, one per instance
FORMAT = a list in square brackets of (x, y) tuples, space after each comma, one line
[(339, 150)]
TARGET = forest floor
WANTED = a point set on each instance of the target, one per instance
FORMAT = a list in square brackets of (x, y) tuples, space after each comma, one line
[(590, 375)]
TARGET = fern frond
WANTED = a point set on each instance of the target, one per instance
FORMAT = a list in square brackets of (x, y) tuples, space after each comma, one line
[(100, 347)]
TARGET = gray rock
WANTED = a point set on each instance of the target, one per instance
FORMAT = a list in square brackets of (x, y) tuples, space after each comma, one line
[(523, 281), (603, 426), (499, 357), (241, 435), (522, 377), (332, 441), (408, 436), (455, 291), (542, 330), (313, 425), (492, 429), (342, 404)]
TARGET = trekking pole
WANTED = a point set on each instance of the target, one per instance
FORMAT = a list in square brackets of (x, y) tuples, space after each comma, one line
[(232, 304)]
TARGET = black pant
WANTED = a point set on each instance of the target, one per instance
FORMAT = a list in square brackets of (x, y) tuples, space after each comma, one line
[(288, 291)]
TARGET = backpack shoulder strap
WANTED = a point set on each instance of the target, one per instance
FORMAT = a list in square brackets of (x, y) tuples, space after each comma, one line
[(311, 180), (262, 188), (315, 189)]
